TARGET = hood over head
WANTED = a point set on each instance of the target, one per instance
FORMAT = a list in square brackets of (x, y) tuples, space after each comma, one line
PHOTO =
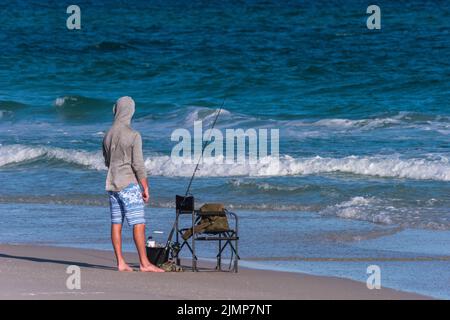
[(124, 110)]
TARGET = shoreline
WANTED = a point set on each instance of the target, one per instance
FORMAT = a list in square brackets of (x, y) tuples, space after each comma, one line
[(39, 272)]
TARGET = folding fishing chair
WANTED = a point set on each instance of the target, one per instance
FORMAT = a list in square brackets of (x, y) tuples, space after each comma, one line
[(209, 223)]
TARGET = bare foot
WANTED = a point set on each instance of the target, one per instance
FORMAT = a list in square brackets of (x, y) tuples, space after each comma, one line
[(151, 268), (123, 267)]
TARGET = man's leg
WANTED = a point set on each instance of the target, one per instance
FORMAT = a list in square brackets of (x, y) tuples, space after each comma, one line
[(139, 240), (116, 237)]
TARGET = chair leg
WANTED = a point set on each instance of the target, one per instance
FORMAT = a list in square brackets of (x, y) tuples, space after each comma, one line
[(194, 256), (236, 258), (194, 265), (219, 257), (177, 258)]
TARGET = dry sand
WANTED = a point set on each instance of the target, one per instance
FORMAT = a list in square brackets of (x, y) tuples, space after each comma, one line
[(38, 272)]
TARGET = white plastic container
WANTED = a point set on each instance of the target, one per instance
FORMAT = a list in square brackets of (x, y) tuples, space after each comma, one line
[(151, 243)]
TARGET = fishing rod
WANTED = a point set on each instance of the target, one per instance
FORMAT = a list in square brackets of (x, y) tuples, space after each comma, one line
[(205, 143), (175, 247)]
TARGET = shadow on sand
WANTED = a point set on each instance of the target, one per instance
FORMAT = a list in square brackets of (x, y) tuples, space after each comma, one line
[(63, 262)]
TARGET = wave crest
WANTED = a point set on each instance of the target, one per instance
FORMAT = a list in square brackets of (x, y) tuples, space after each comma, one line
[(16, 154), (381, 211), (11, 105), (82, 108), (392, 166)]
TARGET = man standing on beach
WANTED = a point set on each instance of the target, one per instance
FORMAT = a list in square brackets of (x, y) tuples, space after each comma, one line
[(122, 150)]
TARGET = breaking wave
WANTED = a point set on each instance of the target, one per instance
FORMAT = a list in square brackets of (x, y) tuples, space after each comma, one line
[(80, 102), (19, 154), (308, 128), (382, 212), (169, 116), (381, 166), (83, 108), (9, 108), (265, 186), (360, 208), (363, 123), (11, 105), (185, 116), (393, 166), (207, 115), (423, 121)]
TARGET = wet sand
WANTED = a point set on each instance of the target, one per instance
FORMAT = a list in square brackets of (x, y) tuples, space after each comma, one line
[(39, 272)]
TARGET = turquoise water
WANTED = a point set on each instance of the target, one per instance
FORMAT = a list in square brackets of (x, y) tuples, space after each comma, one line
[(363, 115)]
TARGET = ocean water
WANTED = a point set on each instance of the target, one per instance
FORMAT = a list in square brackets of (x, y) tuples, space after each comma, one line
[(364, 122)]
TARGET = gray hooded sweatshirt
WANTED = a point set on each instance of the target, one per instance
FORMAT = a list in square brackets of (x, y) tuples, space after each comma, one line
[(122, 149)]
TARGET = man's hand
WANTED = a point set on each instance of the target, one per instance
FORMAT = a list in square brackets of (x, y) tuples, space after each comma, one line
[(146, 195)]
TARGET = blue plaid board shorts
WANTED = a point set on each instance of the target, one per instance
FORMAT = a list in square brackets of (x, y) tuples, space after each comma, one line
[(127, 203)]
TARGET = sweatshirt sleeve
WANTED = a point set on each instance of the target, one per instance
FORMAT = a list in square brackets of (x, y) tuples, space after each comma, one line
[(105, 154), (138, 158)]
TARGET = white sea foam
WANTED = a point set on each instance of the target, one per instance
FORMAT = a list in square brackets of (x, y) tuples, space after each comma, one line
[(382, 211), (60, 101), (360, 208), (196, 113), (264, 186), (363, 123), (393, 166), (402, 119), (387, 166), (11, 154), (205, 114)]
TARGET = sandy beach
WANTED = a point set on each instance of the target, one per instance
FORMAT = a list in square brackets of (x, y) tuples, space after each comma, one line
[(39, 272)]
